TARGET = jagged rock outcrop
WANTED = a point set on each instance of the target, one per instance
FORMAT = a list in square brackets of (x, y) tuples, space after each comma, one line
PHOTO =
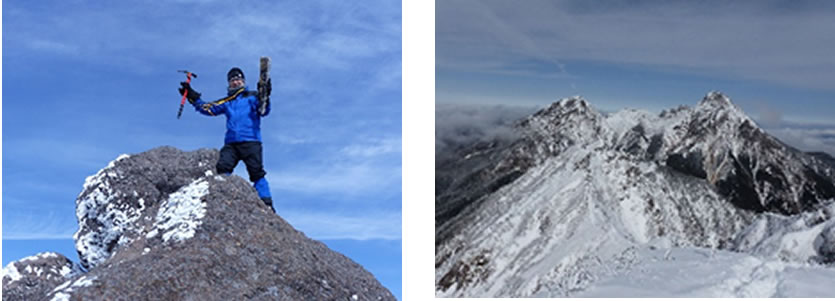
[(161, 225)]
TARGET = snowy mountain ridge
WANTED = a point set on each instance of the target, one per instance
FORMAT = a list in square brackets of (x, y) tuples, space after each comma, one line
[(548, 214)]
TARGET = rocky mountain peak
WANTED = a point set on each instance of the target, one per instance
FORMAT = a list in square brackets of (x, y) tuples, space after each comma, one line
[(566, 122), (162, 225), (566, 107), (716, 111), (716, 97)]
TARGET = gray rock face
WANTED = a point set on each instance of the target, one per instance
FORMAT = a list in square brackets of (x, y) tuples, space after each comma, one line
[(161, 225), (33, 277)]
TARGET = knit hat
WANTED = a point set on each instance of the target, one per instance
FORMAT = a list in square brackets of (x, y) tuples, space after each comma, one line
[(235, 73)]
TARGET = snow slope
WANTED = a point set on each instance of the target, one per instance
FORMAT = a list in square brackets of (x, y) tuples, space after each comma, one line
[(710, 273), (572, 213)]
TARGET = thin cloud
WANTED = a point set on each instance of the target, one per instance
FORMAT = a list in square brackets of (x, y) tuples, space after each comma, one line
[(756, 40), (336, 38), (59, 152), (354, 225), (53, 46), (374, 148), (37, 223), (291, 139), (348, 180), (295, 35)]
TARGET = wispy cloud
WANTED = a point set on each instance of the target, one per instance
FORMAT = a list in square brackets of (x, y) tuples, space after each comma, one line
[(347, 180), (373, 148), (53, 46), (354, 225), (299, 35), (38, 223), (295, 35), (363, 167), (59, 152)]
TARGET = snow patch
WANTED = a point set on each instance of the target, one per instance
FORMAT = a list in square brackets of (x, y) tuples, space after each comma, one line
[(181, 214), (62, 292), (65, 271), (11, 271)]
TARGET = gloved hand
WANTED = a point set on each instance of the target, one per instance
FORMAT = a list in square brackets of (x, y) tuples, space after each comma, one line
[(265, 89), (192, 95)]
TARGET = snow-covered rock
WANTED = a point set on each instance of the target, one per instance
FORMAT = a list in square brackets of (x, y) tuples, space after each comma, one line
[(161, 225), (113, 200), (540, 216), (35, 276)]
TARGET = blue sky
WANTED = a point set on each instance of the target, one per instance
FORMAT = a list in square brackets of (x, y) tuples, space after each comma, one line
[(773, 58), (86, 81)]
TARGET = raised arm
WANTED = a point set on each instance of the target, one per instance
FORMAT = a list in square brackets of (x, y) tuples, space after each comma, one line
[(208, 109)]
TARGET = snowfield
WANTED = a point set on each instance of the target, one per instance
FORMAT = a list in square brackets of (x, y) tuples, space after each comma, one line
[(709, 273)]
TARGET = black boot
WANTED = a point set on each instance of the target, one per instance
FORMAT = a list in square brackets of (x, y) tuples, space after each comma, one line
[(269, 203)]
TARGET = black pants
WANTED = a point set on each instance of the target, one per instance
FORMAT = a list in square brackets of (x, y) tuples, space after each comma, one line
[(249, 152)]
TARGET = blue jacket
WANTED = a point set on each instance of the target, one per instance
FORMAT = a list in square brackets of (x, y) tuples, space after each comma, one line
[(243, 122)]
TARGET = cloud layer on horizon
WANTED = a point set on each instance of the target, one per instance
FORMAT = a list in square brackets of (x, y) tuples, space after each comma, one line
[(467, 124)]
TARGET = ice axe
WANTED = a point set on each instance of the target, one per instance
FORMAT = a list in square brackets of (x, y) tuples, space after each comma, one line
[(183, 101)]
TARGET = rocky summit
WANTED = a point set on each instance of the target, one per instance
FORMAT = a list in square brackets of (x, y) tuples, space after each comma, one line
[(162, 225)]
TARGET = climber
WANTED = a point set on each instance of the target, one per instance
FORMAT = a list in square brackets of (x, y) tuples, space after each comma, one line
[(243, 128)]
